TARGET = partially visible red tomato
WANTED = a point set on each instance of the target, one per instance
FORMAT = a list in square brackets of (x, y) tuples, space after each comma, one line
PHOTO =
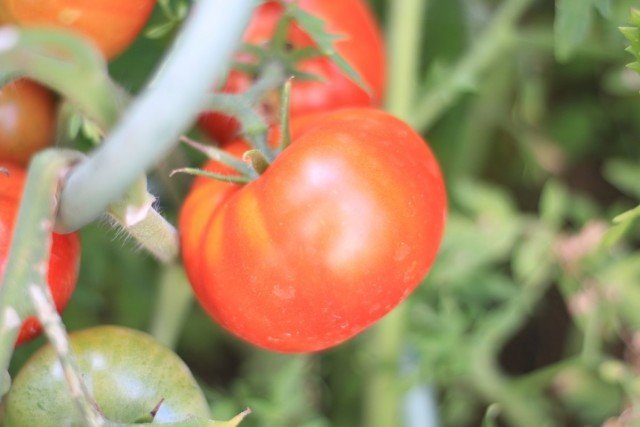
[(27, 120), (341, 227), (111, 24), (65, 249), (361, 46)]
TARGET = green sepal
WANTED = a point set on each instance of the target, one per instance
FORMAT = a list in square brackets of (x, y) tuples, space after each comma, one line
[(315, 28)]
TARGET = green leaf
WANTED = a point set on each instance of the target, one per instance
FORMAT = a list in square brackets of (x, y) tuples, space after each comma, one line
[(631, 33), (572, 25), (75, 124), (623, 224), (315, 28), (532, 258), (491, 416), (91, 131), (625, 175), (604, 7), (554, 203), (628, 216), (160, 30)]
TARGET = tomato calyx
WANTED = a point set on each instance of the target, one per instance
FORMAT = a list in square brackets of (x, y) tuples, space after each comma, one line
[(254, 161), (253, 57)]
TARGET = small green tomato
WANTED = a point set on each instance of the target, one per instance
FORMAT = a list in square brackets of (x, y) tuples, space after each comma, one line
[(128, 373)]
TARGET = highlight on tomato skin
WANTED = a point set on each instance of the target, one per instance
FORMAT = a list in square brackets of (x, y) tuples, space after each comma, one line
[(111, 25), (342, 226), (27, 120), (361, 45), (65, 249)]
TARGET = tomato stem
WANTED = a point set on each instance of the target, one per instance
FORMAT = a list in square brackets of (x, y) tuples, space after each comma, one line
[(173, 302), (383, 392), (221, 156), (155, 121), (234, 179), (30, 247), (285, 101)]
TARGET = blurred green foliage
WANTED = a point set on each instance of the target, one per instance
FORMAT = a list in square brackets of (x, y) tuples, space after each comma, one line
[(531, 314)]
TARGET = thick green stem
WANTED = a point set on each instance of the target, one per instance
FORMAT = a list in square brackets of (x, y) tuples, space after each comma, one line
[(405, 27), (29, 254), (383, 392), (493, 44), (172, 305), (155, 120), (135, 213)]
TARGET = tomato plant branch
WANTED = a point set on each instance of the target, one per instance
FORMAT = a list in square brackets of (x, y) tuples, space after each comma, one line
[(57, 335), (520, 408), (243, 107), (154, 121), (383, 391), (497, 39), (172, 305), (71, 66), (28, 257)]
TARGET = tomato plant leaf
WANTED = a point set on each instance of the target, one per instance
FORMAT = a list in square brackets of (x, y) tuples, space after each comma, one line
[(315, 28), (625, 175), (160, 30), (571, 26)]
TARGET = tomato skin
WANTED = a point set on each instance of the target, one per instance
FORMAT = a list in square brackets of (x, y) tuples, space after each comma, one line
[(27, 120), (111, 24), (339, 230), (65, 249), (127, 372), (362, 47)]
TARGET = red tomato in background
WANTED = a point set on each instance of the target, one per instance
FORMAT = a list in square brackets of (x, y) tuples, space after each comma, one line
[(111, 24), (343, 225), (27, 120), (361, 46), (65, 249)]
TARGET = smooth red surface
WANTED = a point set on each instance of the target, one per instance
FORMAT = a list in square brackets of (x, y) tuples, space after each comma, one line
[(65, 249), (361, 46), (338, 231), (27, 120), (111, 24)]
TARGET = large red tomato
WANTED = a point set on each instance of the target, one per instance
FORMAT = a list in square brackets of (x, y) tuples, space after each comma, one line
[(111, 24), (341, 227), (361, 46), (65, 249), (27, 120)]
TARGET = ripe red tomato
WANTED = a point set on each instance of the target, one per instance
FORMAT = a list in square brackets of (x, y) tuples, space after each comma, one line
[(341, 227), (65, 249), (27, 120), (111, 24), (361, 46), (128, 373)]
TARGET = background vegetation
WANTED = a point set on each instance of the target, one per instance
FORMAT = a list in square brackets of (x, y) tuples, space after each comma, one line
[(531, 314)]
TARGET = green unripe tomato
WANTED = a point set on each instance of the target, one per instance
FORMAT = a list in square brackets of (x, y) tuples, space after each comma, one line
[(127, 372)]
